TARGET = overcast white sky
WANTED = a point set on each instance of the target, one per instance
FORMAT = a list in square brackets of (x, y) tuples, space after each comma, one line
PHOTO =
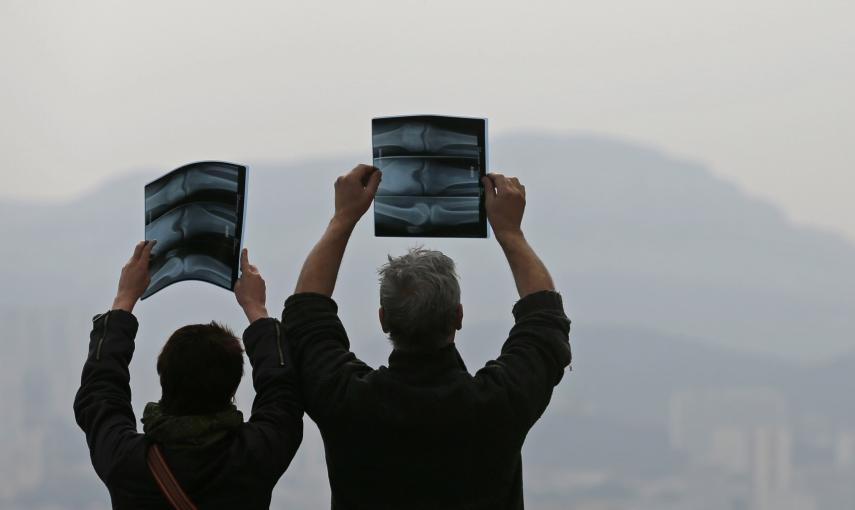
[(760, 91)]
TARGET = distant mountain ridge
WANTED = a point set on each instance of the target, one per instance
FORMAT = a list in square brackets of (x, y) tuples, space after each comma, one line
[(674, 280), (633, 237)]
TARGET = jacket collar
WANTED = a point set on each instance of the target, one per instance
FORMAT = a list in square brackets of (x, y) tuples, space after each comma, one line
[(189, 431), (426, 365)]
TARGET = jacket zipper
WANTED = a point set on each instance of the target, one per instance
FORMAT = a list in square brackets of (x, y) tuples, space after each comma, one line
[(279, 346), (101, 340)]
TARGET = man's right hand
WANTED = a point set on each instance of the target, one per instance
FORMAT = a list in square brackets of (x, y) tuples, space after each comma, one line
[(505, 203), (505, 207), (354, 193)]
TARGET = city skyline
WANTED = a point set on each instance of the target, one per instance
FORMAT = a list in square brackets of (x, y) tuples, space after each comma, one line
[(688, 172)]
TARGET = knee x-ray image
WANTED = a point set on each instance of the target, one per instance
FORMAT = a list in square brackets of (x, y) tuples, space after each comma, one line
[(195, 213), (432, 168)]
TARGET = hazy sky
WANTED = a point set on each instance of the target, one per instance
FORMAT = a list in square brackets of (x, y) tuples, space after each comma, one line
[(760, 91)]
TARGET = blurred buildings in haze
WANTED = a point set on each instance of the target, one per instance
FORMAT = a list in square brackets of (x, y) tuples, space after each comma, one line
[(736, 448), (712, 340)]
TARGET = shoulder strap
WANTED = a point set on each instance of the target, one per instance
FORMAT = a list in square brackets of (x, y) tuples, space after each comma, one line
[(166, 481)]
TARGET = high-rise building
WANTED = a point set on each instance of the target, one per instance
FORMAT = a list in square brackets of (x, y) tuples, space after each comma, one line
[(844, 451), (743, 432)]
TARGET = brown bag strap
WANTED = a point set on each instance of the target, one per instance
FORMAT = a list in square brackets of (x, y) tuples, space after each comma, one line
[(169, 486)]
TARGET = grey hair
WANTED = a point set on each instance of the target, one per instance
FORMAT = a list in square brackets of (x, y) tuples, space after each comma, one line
[(419, 293)]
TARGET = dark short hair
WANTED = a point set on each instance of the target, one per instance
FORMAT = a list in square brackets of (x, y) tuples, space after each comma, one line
[(419, 293), (200, 368)]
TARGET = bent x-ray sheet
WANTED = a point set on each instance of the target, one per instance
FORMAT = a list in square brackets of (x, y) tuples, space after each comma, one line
[(432, 168), (195, 213)]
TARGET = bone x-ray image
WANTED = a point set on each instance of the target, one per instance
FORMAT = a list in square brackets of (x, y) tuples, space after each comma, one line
[(195, 213), (432, 168)]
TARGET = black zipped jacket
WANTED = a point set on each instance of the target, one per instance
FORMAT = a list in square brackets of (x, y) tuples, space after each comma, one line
[(237, 472), (424, 433)]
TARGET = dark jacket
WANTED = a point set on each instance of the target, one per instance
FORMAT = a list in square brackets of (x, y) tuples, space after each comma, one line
[(424, 433), (237, 472)]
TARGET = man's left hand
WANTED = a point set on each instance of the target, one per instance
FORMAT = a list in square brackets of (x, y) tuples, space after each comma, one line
[(354, 193)]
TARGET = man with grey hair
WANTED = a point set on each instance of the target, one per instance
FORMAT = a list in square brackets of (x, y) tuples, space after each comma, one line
[(423, 432), (420, 300)]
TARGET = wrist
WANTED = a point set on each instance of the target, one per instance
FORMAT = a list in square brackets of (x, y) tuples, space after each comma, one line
[(123, 302), (255, 312), (509, 235), (341, 224)]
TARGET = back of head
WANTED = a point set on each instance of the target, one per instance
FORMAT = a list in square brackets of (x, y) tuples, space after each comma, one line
[(420, 295), (200, 368)]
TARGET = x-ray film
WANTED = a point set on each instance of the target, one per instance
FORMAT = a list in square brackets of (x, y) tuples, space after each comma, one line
[(195, 213), (432, 168)]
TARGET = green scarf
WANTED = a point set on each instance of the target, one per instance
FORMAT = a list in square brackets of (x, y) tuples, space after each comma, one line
[(190, 431)]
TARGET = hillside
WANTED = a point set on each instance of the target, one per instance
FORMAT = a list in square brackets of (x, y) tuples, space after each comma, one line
[(674, 280), (634, 238)]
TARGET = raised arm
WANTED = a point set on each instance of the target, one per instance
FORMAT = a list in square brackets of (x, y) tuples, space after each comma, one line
[(537, 350), (310, 318), (250, 290), (102, 406), (354, 192), (505, 206), (277, 410)]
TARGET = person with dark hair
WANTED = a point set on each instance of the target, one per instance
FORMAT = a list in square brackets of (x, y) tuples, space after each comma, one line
[(423, 433), (196, 450), (200, 368)]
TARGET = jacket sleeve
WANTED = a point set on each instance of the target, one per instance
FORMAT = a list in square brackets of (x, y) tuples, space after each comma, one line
[(276, 422), (102, 406), (321, 352), (533, 358)]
